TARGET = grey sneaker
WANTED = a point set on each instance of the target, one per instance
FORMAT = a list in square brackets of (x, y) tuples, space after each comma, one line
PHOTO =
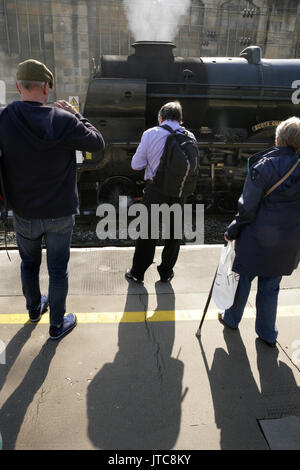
[(70, 321)]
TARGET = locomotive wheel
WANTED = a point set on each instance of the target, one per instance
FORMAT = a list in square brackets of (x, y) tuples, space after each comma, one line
[(112, 190)]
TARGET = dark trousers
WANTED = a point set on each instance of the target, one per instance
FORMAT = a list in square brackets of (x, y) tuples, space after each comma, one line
[(145, 248), (57, 234)]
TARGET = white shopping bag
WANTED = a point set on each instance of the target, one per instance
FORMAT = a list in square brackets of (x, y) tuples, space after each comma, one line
[(226, 281)]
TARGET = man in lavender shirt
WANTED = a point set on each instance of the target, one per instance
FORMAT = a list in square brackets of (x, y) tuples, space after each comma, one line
[(147, 156)]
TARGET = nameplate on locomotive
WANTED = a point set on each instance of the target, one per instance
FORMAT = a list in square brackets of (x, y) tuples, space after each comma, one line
[(263, 125)]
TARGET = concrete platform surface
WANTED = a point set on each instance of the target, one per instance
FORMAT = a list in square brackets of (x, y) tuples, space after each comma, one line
[(132, 375)]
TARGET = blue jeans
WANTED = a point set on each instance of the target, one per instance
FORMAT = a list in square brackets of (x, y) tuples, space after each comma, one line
[(266, 305), (57, 234)]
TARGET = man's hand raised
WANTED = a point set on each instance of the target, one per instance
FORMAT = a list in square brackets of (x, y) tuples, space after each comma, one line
[(62, 104)]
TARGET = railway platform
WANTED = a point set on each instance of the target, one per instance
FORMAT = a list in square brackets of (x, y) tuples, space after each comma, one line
[(132, 375)]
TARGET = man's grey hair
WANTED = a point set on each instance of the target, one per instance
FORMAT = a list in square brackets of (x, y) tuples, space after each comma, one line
[(288, 133), (29, 84), (171, 111)]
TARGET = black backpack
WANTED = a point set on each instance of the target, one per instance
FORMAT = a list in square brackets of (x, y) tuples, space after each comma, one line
[(177, 172)]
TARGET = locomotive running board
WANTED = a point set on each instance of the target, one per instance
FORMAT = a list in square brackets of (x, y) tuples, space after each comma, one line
[(207, 144)]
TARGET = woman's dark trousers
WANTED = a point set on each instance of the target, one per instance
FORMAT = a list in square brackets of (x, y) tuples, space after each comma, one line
[(266, 305)]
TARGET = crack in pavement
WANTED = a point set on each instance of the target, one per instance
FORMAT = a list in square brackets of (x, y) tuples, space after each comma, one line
[(150, 333), (289, 358), (40, 401)]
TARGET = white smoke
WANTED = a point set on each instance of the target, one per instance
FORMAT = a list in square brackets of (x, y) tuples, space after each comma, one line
[(155, 20)]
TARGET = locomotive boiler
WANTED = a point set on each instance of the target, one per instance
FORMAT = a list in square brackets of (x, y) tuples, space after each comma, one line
[(231, 104)]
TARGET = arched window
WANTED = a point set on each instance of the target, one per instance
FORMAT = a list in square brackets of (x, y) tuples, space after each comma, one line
[(237, 26), (23, 28), (108, 27)]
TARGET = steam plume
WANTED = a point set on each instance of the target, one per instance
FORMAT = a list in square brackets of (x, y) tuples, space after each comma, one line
[(155, 20)]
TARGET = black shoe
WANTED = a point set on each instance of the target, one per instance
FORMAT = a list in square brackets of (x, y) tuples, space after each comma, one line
[(69, 322), (167, 279), (36, 315), (220, 318), (130, 277), (268, 343)]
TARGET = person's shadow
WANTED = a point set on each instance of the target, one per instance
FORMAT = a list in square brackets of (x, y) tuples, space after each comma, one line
[(135, 402), (13, 411), (239, 403), (276, 381)]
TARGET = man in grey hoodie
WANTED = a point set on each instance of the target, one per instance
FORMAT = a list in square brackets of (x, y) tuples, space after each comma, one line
[(39, 167)]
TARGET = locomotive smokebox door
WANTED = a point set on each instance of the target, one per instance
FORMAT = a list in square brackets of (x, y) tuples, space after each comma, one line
[(117, 107)]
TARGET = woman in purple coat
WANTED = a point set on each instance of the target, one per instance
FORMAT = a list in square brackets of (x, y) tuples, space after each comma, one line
[(267, 230)]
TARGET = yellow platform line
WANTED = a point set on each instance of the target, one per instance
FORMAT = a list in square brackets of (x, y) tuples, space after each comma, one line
[(139, 317)]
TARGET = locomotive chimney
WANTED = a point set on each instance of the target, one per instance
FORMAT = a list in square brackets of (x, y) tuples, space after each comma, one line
[(152, 49)]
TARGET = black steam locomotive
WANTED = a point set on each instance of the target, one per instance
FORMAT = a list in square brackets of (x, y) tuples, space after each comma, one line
[(231, 104)]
